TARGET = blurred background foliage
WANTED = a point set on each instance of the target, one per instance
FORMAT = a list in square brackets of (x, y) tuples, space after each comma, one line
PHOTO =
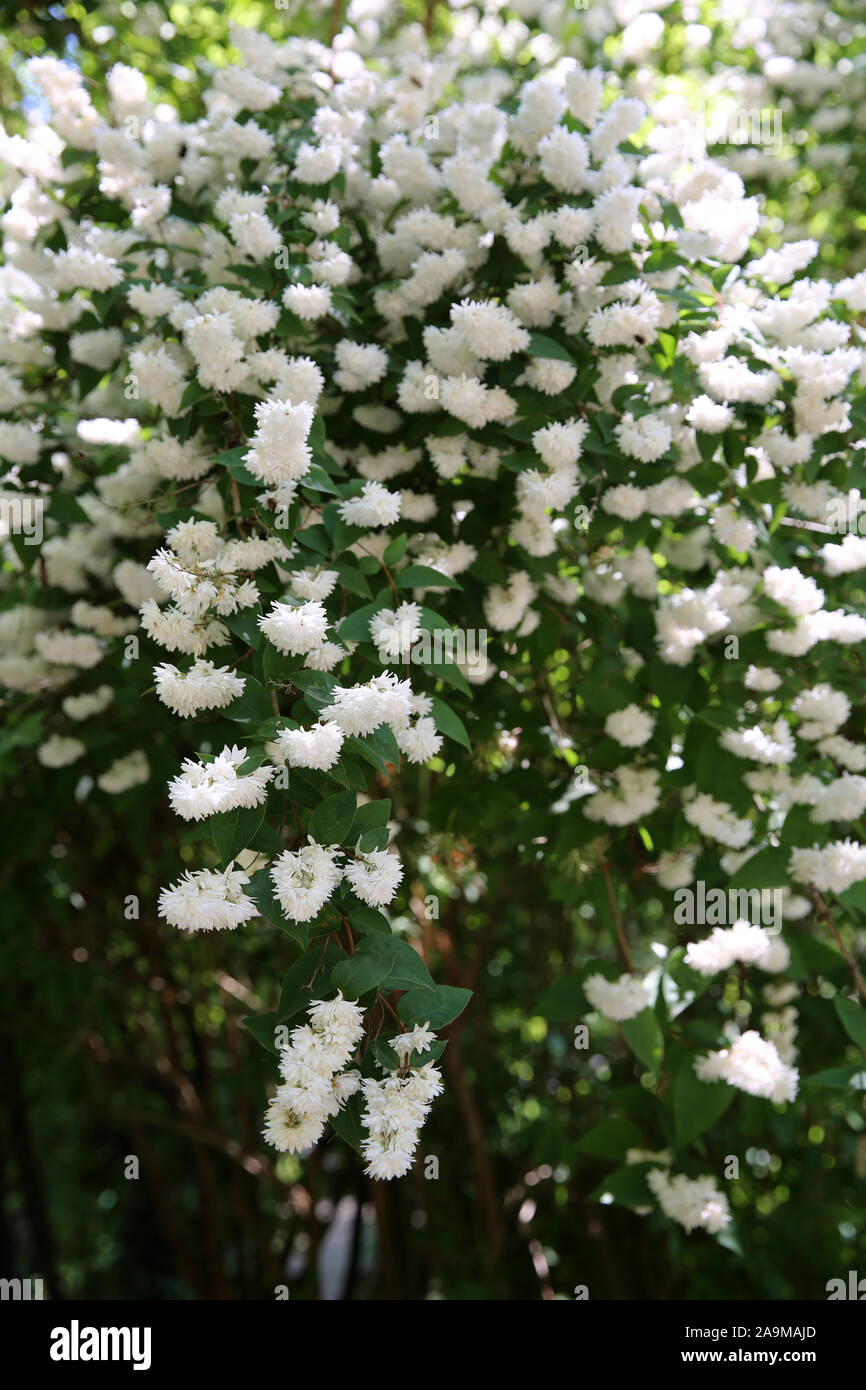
[(132, 1094)]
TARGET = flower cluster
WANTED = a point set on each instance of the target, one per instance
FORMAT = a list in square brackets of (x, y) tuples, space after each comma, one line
[(359, 385)]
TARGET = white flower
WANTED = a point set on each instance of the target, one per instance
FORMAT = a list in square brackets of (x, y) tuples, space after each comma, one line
[(564, 159), (304, 879), (645, 438), (360, 709), (58, 751), (99, 348), (693, 1202), (821, 710), (846, 558), (489, 330), (395, 1109), (851, 755), (716, 820), (203, 686), (708, 417), (676, 870), (69, 648), (844, 799), (795, 591), (204, 789), (615, 217), (289, 1132), (631, 727), (295, 629), (359, 365), (634, 794), (375, 877), (317, 163), (325, 657), (314, 1085), (762, 679), (317, 747), (545, 374), (308, 301), (418, 741), (279, 451), (375, 506), (776, 747), (625, 501), (207, 900), (741, 942), (419, 1039), (505, 605), (560, 445), (125, 773), (752, 1064), (830, 869), (619, 999), (394, 631), (90, 703)]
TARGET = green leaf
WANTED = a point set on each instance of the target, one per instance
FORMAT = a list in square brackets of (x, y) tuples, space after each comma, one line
[(448, 723), (303, 981), (193, 393), (385, 1055), (619, 274), (839, 1079), (65, 509), (610, 1139), (448, 671), (251, 707), (378, 748), (353, 580), (853, 1019), (697, 1104), (387, 961), (372, 840), (360, 974), (331, 821), (424, 577), (853, 897), (245, 626), (317, 480), (396, 549), (262, 1028), (767, 869), (356, 626), (563, 1000), (373, 815), (252, 761), (254, 275), (347, 1123), (644, 1037), (278, 669), (433, 1053), (233, 830), (541, 346), (365, 919), (436, 1006), (318, 687), (626, 1186)]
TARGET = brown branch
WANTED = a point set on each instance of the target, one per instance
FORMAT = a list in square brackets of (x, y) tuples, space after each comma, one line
[(821, 909), (620, 932)]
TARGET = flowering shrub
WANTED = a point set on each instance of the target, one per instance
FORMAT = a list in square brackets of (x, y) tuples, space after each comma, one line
[(776, 88), (428, 441)]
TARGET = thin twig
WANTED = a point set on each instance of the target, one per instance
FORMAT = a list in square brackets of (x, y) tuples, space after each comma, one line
[(620, 932), (821, 908)]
